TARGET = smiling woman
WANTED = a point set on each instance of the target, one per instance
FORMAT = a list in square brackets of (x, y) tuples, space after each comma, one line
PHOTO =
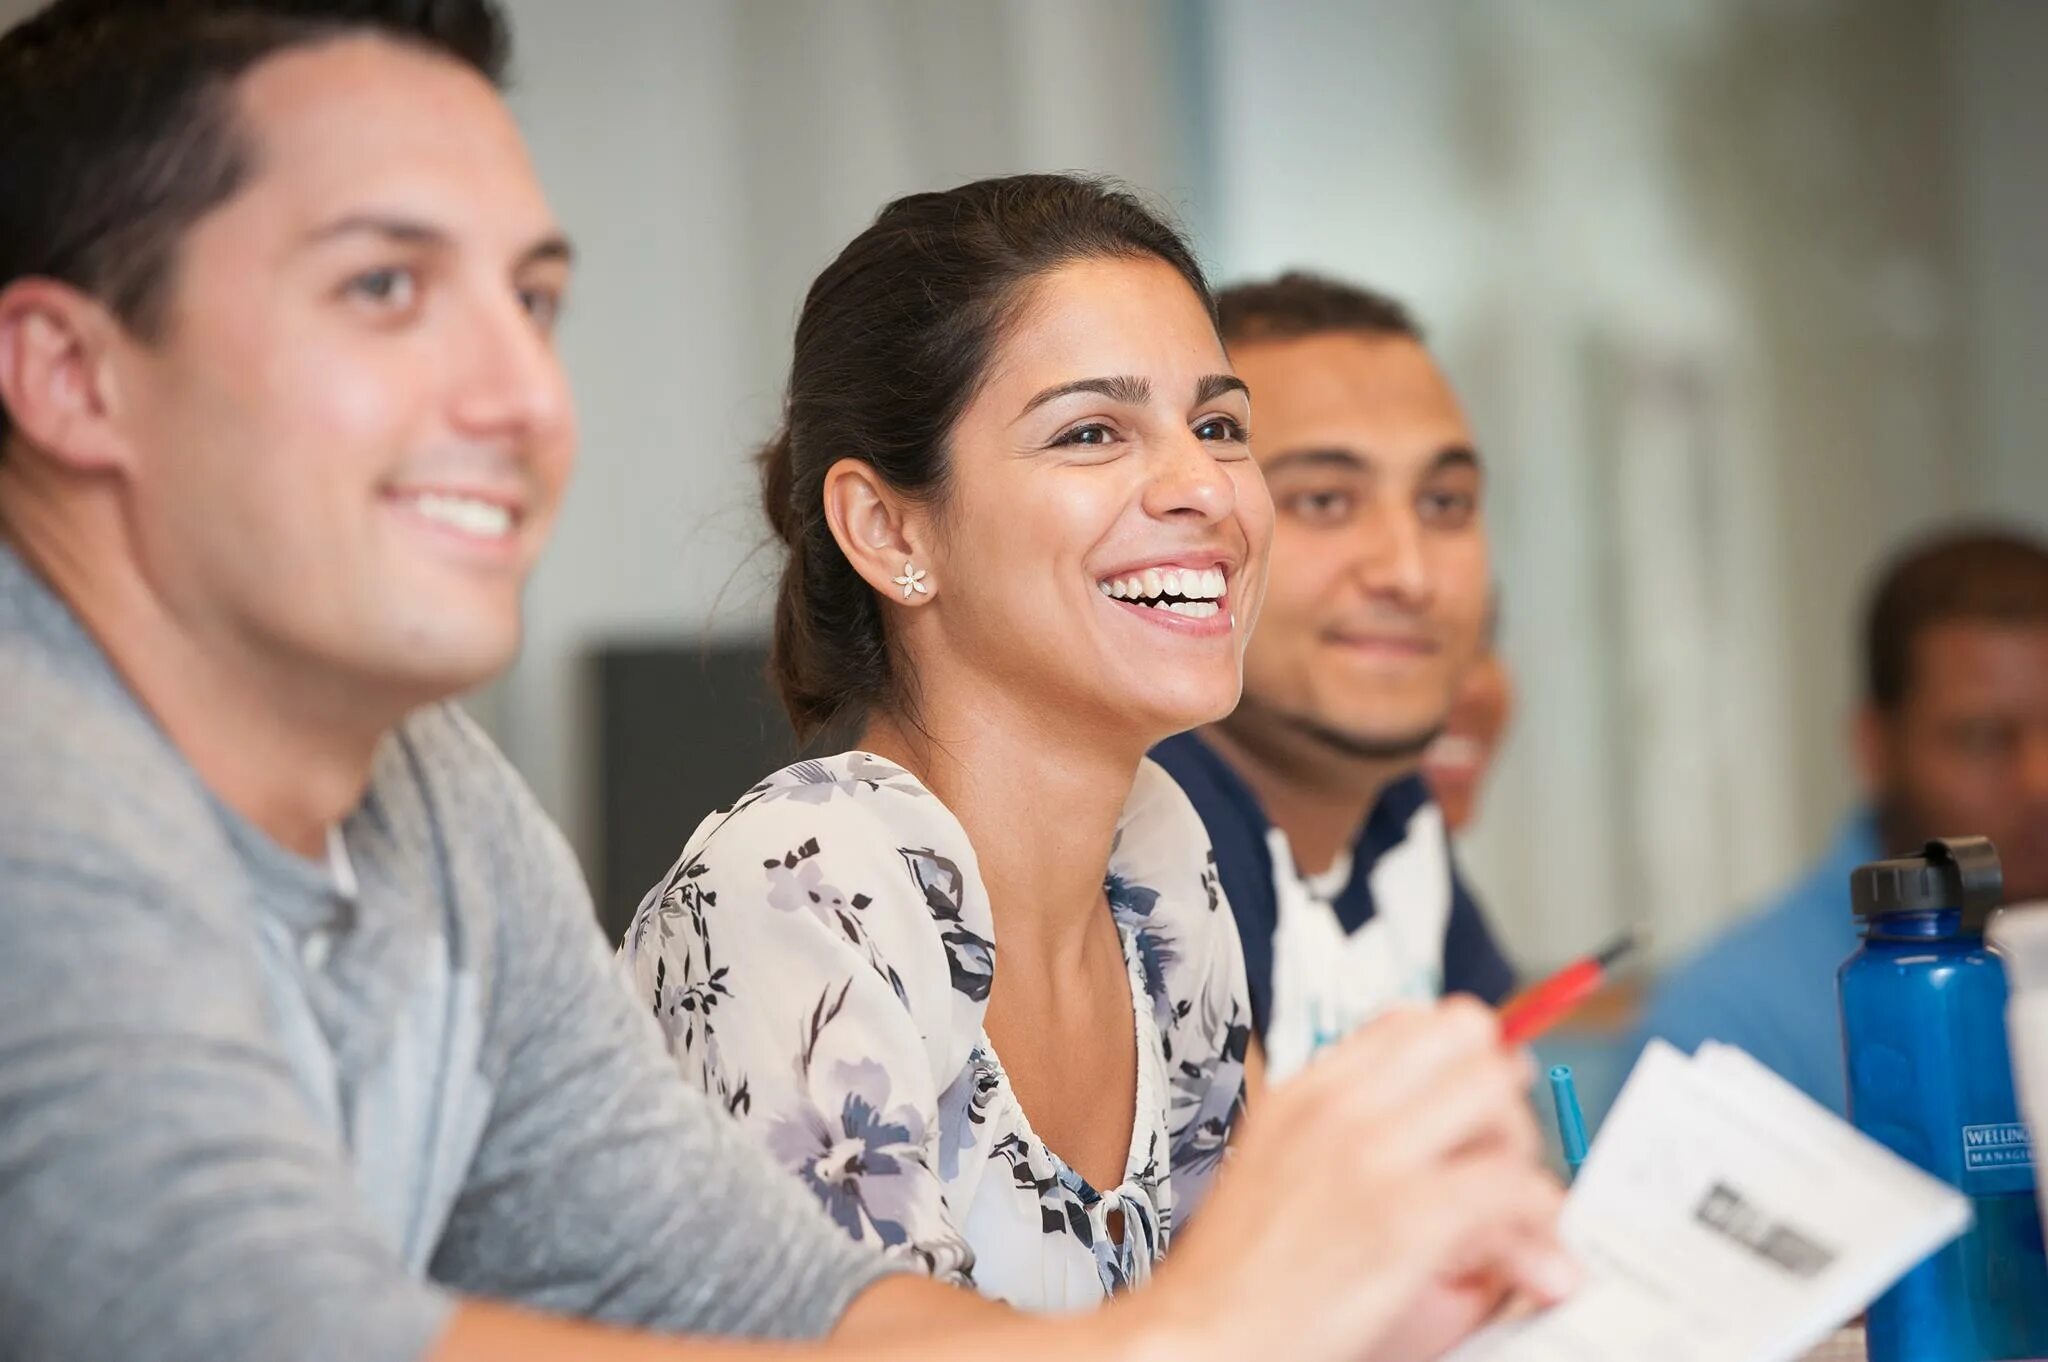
[(974, 982), (1026, 540)]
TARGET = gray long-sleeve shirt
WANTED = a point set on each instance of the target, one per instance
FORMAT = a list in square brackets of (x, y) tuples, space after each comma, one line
[(249, 1110)]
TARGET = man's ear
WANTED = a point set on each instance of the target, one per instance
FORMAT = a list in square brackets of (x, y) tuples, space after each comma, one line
[(57, 375), (879, 531)]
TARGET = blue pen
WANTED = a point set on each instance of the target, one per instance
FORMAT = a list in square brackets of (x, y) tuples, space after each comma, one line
[(1571, 1123)]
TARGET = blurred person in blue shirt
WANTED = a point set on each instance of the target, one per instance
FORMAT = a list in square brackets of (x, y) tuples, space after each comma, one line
[(1951, 738), (1330, 847)]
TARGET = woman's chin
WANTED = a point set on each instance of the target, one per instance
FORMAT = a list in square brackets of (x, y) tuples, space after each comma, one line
[(1165, 715)]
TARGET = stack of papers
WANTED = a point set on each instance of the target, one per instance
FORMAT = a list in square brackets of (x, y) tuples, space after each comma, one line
[(1724, 1216), (2020, 934)]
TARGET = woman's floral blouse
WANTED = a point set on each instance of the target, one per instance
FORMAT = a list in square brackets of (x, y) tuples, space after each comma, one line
[(820, 960)]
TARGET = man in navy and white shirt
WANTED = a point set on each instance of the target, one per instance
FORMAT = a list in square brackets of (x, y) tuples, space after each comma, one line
[(1333, 853)]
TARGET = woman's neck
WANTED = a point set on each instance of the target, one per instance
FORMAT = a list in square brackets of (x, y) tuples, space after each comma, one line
[(1039, 800)]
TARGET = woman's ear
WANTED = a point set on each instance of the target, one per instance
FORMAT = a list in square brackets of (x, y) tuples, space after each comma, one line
[(878, 530), (57, 374)]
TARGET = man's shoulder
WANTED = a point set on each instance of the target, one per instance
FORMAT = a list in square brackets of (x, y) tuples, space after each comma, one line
[(441, 744), (1786, 936), (440, 779), (89, 784), (1215, 789), (1806, 925)]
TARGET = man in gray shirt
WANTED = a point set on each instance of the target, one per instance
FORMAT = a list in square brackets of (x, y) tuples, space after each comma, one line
[(284, 1074), (308, 1045), (305, 1029)]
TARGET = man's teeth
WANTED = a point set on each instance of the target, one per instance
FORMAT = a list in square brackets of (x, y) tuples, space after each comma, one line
[(483, 519), (1198, 589)]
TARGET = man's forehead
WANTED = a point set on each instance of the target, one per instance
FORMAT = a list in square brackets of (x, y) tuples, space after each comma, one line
[(2017, 637), (1961, 657), (371, 124), (1347, 377)]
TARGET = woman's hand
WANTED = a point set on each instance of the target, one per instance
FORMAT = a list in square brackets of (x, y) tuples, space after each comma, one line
[(1379, 1204)]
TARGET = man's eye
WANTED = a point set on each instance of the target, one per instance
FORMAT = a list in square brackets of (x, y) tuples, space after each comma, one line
[(391, 289), (1319, 508), (1449, 510), (1983, 740), (544, 305)]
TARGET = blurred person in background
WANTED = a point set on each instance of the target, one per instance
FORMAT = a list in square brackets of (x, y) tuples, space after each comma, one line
[(1951, 739), (972, 981), (1333, 852), (309, 1044), (1457, 763)]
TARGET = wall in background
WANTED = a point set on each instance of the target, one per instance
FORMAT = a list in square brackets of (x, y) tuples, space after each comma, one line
[(709, 158), (1712, 277), (1997, 51), (1739, 291)]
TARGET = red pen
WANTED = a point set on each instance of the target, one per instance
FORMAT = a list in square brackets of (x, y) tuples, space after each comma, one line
[(1536, 1009)]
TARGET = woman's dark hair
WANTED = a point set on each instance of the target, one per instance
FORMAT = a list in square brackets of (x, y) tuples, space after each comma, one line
[(894, 340)]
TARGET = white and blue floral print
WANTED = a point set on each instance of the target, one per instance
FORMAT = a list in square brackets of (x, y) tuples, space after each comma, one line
[(820, 960)]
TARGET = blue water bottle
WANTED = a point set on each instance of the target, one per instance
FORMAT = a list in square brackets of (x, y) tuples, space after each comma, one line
[(1923, 1029)]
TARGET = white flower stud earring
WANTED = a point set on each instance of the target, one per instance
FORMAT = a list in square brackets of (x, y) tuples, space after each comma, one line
[(912, 581)]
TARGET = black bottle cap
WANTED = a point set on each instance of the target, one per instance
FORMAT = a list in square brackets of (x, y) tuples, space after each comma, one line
[(1958, 873)]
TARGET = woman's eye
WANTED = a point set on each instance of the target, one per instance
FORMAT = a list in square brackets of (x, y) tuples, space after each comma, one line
[(391, 289), (1093, 434), (1221, 428)]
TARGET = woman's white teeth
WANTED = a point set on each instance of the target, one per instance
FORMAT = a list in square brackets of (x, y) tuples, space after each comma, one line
[(1194, 586), (1194, 610), (483, 519)]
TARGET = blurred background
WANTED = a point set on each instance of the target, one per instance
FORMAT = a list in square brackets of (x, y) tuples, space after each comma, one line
[(1738, 292)]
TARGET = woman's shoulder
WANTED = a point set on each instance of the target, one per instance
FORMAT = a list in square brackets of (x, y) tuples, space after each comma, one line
[(1162, 847), (865, 806), (1165, 892), (847, 781), (858, 847), (1166, 895)]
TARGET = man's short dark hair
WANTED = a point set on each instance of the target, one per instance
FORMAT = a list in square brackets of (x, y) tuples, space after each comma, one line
[(1299, 304), (1982, 575), (116, 126)]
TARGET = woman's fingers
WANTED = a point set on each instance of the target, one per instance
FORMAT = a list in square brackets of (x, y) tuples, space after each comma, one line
[(1493, 1215), (1401, 1050), (1481, 1099), (1398, 1170)]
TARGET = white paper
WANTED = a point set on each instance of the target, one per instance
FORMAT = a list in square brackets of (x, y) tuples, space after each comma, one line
[(1723, 1216), (2020, 935)]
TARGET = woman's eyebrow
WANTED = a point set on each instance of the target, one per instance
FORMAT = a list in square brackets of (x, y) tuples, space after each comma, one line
[(1215, 385), (1124, 388)]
